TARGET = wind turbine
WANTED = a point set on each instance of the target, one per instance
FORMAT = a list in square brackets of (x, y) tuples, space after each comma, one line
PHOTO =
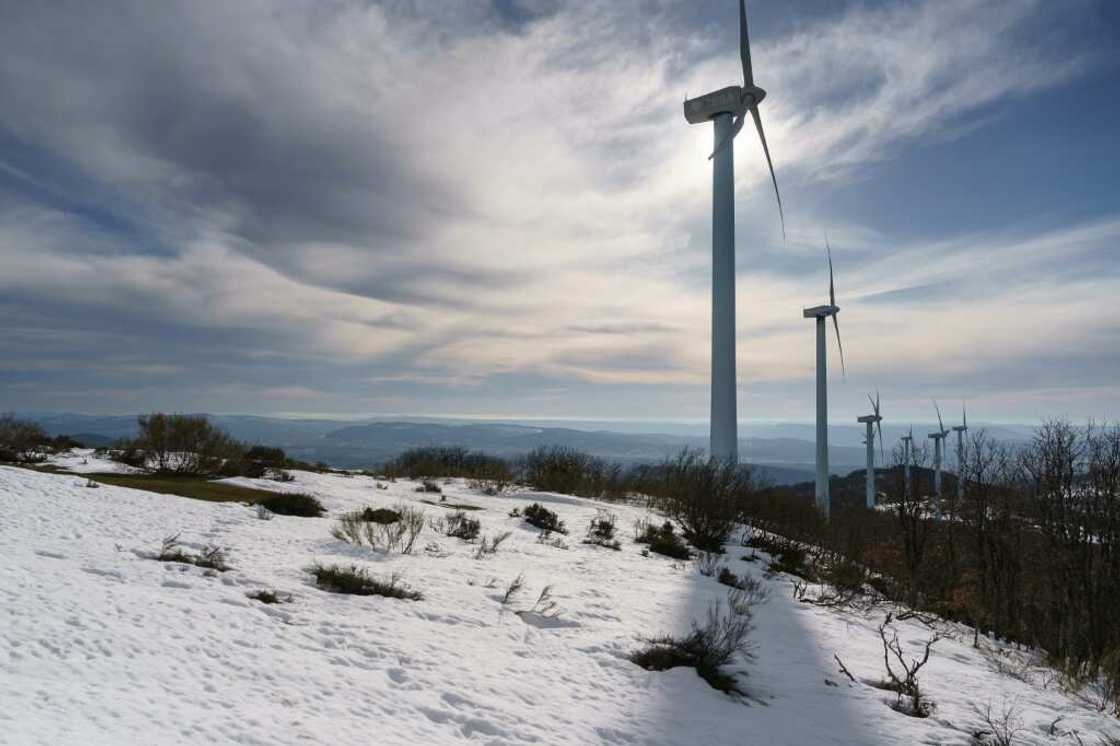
[(938, 439), (820, 313), (728, 108), (907, 456), (960, 430), (872, 421)]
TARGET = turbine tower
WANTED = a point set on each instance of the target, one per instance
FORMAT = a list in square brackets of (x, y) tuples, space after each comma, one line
[(907, 454), (820, 313), (938, 441), (960, 430), (728, 108), (873, 422)]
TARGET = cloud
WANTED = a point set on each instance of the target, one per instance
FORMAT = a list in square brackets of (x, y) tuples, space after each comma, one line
[(452, 194)]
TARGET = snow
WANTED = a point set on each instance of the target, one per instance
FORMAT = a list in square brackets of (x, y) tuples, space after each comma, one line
[(86, 461), (99, 644)]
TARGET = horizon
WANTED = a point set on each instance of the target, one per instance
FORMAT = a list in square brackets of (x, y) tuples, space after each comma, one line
[(218, 208)]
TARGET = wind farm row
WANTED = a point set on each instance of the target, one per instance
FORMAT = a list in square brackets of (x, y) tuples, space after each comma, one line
[(728, 108)]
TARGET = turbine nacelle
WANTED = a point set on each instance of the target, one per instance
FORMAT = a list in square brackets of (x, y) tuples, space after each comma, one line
[(869, 418), (730, 100), (820, 312)]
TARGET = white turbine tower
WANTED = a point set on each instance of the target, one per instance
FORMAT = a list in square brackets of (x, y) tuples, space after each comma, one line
[(960, 430), (820, 313), (873, 422), (938, 449), (907, 457), (728, 108)]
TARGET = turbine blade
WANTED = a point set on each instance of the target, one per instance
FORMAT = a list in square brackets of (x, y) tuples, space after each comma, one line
[(836, 324), (735, 127), (882, 451), (873, 407), (745, 45), (940, 424), (770, 163), (831, 283)]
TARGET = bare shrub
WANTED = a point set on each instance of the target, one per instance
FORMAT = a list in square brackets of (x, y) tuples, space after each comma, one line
[(513, 590), (210, 558), (564, 470), (661, 539), (21, 440), (395, 536), (601, 530), (487, 547), (708, 648), (543, 518), (457, 525), (185, 445), (1001, 727), (705, 496), (708, 563), (904, 682)]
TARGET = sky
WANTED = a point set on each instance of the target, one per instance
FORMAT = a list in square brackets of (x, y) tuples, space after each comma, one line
[(495, 208)]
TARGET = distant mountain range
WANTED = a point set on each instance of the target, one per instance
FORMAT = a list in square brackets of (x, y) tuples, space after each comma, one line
[(781, 458)]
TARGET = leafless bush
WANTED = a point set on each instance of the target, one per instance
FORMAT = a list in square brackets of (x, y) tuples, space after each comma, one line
[(1001, 727), (185, 445), (513, 591), (905, 681), (708, 648), (601, 530), (456, 525), (396, 536), (705, 496), (708, 563), (487, 547)]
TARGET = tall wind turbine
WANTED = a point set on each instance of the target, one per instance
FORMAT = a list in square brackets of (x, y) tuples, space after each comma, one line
[(820, 313), (938, 441), (907, 457), (960, 430), (728, 108), (872, 421)]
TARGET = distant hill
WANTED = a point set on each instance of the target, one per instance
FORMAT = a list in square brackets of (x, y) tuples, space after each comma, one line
[(783, 459)]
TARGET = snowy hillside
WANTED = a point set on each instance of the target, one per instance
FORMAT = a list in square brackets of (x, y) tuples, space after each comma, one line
[(101, 644)]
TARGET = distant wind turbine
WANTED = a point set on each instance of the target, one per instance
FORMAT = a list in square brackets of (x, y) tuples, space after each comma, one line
[(907, 457), (938, 448), (873, 422), (820, 313), (728, 108), (960, 430)]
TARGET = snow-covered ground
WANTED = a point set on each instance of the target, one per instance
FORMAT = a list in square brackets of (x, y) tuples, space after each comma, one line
[(86, 461), (99, 644)]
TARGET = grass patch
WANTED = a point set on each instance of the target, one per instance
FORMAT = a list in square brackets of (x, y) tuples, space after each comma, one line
[(270, 597), (357, 581), (193, 487)]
